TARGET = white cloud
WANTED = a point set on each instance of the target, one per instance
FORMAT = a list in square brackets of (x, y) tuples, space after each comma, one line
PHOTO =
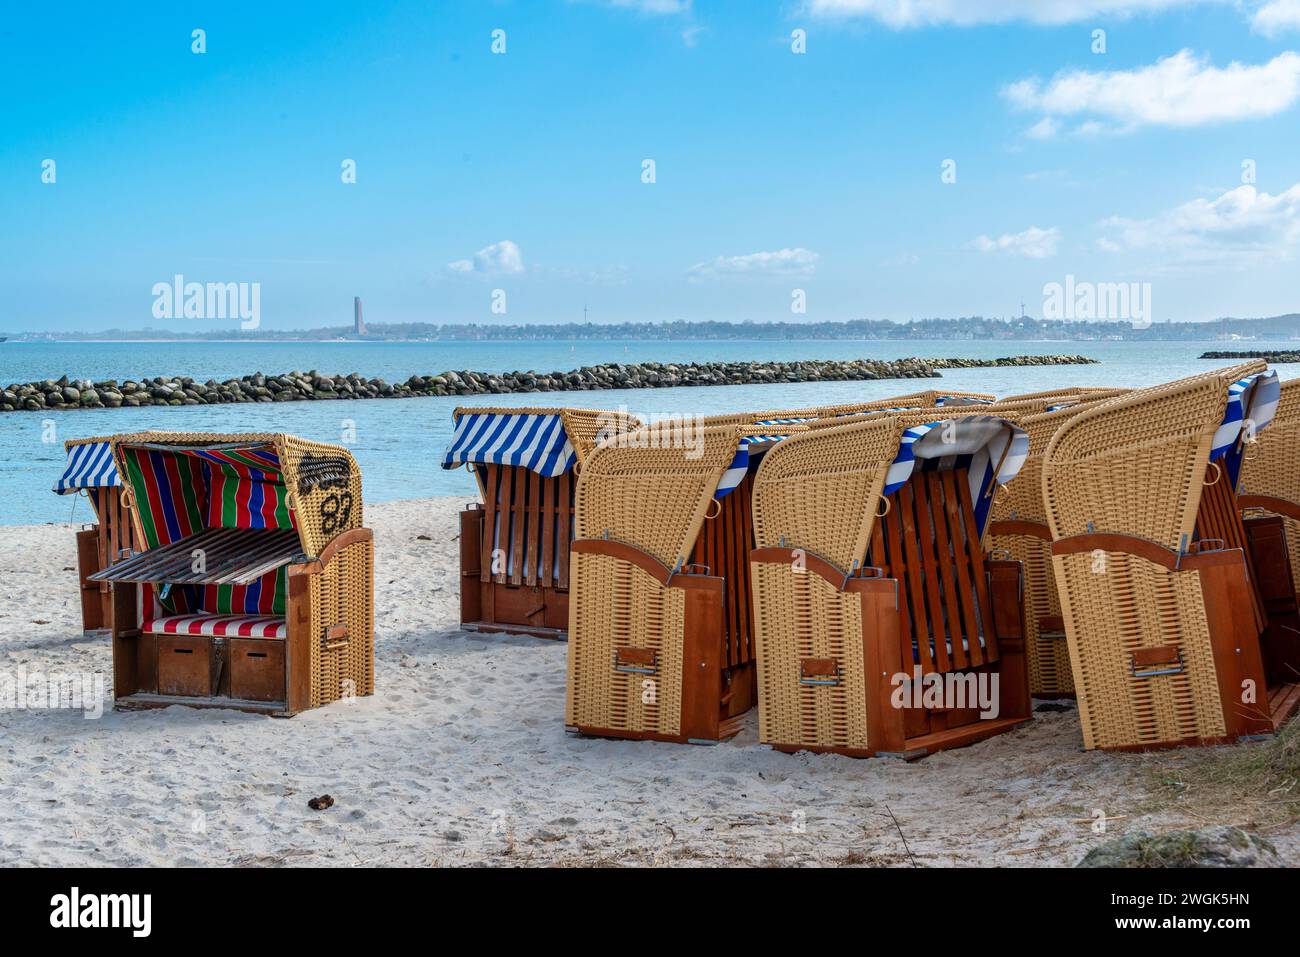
[(1277, 16), (498, 259), (1032, 243), (1241, 226), (1179, 90), (1044, 129), (903, 14), (691, 35), (783, 262)]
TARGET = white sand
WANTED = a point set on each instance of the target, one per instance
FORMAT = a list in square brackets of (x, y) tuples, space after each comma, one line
[(461, 758)]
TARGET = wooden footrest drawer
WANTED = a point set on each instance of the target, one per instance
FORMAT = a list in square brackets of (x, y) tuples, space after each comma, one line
[(257, 669)]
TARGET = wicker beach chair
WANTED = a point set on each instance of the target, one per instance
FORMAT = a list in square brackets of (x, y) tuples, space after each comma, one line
[(90, 472), (872, 588), (660, 628), (661, 625), (1161, 614), (514, 543), (1019, 529), (1268, 493), (252, 582)]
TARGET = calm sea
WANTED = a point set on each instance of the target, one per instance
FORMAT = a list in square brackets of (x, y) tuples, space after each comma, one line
[(398, 441)]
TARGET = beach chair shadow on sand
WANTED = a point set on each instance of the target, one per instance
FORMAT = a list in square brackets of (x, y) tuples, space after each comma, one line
[(252, 586)]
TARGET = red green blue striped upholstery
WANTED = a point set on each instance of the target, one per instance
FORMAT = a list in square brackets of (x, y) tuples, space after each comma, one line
[(181, 491)]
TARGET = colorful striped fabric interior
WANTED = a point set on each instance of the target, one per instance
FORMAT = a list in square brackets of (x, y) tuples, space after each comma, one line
[(181, 491)]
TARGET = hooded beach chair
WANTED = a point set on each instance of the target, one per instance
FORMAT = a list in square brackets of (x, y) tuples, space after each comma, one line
[(661, 624), (252, 583), (514, 543), (660, 628), (871, 587), (1162, 615), (90, 471), (1019, 529), (1268, 494)]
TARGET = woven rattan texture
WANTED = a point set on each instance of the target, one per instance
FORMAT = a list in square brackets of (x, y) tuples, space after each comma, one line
[(1116, 604), (614, 604), (342, 593), (1135, 464), (800, 615), (820, 491), (653, 497), (1048, 658)]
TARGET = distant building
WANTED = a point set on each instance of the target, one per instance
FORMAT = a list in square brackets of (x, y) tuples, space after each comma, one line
[(359, 323)]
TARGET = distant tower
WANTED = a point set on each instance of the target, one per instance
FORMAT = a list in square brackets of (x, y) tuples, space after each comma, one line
[(360, 324)]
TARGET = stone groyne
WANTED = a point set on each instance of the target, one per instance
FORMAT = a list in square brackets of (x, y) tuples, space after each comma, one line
[(1271, 355), (65, 393)]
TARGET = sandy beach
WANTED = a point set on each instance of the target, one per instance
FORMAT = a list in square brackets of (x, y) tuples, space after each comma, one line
[(461, 758)]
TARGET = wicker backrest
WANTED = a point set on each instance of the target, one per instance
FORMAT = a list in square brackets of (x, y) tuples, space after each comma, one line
[(1023, 498), (652, 490), (1135, 464), (1078, 392), (819, 491), (323, 481)]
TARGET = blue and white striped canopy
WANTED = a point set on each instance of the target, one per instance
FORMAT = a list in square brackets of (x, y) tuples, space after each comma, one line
[(735, 473), (90, 465), (961, 400), (535, 441), (1252, 404), (979, 443)]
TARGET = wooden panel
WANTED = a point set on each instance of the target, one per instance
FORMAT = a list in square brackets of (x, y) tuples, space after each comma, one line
[(491, 518), (1234, 642), (185, 665), (257, 671), (298, 645), (471, 562), (88, 563), (701, 657)]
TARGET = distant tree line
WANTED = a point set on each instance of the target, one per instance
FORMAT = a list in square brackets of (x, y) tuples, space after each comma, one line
[(968, 327)]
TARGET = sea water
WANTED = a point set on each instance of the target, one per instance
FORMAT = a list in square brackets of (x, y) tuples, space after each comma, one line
[(398, 442)]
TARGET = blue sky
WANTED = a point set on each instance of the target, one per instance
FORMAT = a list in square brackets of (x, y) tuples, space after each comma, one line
[(522, 171)]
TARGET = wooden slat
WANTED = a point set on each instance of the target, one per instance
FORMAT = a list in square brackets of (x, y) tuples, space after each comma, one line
[(518, 510), (932, 582), (547, 559), (896, 567), (564, 528), (975, 552), (531, 577), (965, 575), (491, 489), (947, 545), (233, 556), (912, 574)]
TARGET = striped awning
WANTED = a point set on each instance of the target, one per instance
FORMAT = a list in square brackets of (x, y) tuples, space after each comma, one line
[(993, 451), (961, 400), (739, 466), (90, 465), (536, 441), (1252, 404)]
